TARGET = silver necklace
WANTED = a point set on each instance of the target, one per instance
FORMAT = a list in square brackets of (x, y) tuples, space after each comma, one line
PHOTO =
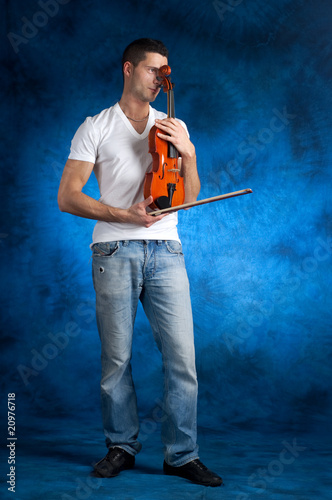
[(137, 121)]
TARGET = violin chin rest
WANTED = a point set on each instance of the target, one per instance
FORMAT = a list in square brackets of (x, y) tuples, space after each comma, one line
[(162, 202)]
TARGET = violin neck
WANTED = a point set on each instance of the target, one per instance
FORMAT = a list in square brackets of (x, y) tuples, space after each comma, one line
[(172, 151), (170, 104)]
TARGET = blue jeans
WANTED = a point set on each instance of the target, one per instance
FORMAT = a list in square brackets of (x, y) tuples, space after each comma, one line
[(154, 273)]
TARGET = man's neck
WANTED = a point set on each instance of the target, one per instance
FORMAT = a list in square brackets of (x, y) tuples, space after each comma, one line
[(134, 108)]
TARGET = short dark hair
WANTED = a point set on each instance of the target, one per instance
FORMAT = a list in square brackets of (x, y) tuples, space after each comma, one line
[(136, 50)]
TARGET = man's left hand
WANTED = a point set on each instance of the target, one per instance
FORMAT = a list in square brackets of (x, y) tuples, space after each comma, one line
[(177, 135)]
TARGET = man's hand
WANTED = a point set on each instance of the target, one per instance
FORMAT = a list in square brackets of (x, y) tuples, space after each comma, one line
[(177, 135), (137, 214)]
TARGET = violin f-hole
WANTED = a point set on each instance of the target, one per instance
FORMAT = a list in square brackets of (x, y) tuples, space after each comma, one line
[(163, 171)]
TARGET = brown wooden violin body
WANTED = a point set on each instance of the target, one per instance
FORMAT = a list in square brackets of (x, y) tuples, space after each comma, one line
[(164, 181)]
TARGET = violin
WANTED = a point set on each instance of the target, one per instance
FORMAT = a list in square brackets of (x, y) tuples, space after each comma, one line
[(164, 181)]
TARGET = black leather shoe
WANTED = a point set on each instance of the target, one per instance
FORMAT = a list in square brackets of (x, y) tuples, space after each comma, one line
[(115, 461), (195, 471)]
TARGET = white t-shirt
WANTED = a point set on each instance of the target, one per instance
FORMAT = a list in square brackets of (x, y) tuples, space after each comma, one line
[(121, 158)]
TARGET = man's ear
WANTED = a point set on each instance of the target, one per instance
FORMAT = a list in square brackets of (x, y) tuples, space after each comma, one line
[(127, 68)]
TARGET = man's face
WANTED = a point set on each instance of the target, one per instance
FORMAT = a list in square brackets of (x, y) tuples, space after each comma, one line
[(143, 82)]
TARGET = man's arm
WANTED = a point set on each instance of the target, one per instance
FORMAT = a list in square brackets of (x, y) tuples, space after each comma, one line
[(177, 135), (71, 199)]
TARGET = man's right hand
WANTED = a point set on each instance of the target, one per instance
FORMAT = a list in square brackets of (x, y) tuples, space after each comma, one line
[(137, 214)]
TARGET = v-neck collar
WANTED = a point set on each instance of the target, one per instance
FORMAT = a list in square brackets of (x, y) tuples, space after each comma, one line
[(129, 126)]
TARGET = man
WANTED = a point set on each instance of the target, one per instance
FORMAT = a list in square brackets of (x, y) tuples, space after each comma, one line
[(138, 256)]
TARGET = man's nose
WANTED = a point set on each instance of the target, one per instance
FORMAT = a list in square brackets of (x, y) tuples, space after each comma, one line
[(158, 81)]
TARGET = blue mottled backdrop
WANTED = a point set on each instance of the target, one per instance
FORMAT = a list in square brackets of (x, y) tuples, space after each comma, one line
[(253, 84)]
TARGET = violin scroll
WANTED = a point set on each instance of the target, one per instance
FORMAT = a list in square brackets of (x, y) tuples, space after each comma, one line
[(163, 74)]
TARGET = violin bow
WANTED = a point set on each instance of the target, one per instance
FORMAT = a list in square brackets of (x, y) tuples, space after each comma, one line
[(201, 202)]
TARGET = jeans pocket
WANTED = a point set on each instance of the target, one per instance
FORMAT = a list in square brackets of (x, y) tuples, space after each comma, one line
[(105, 249), (174, 246)]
